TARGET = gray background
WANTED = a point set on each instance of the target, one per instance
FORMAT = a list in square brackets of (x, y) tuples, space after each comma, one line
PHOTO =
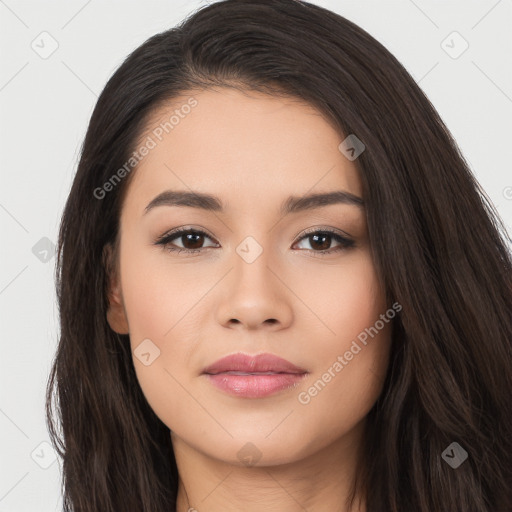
[(46, 101)]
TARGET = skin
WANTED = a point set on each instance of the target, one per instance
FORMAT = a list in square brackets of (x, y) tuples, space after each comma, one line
[(252, 151)]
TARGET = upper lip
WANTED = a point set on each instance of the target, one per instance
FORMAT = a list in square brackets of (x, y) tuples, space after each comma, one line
[(261, 363)]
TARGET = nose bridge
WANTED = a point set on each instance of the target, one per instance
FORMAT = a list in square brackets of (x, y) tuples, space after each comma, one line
[(253, 252), (253, 294), (252, 261), (250, 249)]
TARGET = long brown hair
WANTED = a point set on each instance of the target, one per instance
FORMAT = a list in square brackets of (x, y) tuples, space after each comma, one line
[(438, 245)]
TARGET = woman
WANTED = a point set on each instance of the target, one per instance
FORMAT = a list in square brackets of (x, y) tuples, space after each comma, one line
[(280, 286)]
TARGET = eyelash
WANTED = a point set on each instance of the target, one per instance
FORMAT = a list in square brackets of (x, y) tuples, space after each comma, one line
[(345, 243)]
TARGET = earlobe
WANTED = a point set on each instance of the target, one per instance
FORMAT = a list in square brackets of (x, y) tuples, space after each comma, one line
[(116, 318), (116, 314)]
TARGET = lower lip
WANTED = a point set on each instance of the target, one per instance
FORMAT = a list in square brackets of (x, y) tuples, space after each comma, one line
[(254, 386)]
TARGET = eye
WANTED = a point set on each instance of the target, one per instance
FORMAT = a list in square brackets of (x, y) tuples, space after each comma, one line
[(192, 241), (320, 241)]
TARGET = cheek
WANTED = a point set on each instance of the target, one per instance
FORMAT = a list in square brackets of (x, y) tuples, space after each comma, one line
[(172, 304), (159, 301), (333, 305), (159, 294), (349, 376), (158, 316), (351, 364), (342, 298)]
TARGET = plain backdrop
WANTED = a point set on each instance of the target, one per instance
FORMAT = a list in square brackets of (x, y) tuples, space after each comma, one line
[(57, 56)]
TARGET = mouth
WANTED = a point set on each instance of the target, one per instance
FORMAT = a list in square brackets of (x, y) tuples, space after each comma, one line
[(254, 385), (248, 373), (258, 364), (247, 376)]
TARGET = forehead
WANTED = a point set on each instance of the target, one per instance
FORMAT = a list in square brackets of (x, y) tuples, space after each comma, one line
[(249, 148)]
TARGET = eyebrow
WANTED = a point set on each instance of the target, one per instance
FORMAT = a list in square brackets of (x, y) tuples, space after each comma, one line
[(293, 204)]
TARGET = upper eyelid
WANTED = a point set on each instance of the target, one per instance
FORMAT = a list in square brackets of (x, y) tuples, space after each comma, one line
[(302, 234), (180, 231)]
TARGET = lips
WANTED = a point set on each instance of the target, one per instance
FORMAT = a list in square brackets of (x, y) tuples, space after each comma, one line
[(246, 376), (244, 364)]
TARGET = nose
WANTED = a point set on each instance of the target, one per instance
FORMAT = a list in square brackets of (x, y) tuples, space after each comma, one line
[(254, 296)]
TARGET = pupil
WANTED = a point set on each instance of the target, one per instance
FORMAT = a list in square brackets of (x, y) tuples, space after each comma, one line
[(196, 243), (325, 246)]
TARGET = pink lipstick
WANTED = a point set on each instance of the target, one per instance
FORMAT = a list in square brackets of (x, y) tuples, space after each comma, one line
[(257, 376)]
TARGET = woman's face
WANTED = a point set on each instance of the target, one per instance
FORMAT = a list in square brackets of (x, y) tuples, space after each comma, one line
[(269, 275)]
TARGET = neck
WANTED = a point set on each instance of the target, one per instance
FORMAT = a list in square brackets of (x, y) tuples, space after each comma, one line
[(319, 482)]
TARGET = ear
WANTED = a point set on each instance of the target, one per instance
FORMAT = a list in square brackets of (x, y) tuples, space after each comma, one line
[(116, 314)]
